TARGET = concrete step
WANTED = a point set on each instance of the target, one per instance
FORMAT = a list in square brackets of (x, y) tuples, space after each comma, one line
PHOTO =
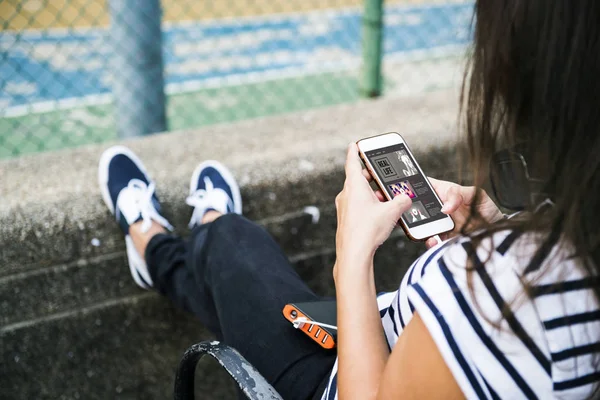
[(128, 348), (46, 291)]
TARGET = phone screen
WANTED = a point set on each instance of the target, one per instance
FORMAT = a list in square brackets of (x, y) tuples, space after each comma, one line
[(398, 172)]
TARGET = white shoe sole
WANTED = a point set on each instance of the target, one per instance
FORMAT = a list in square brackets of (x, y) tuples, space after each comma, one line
[(227, 177), (137, 265)]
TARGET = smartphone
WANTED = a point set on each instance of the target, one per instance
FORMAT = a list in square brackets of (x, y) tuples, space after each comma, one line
[(395, 170)]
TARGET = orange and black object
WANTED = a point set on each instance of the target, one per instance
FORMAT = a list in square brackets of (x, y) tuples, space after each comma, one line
[(323, 312)]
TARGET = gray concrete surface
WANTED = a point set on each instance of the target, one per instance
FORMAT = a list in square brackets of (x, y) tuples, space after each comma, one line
[(72, 323)]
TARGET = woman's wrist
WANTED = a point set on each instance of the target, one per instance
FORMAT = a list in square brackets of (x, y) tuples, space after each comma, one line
[(355, 265), (360, 252)]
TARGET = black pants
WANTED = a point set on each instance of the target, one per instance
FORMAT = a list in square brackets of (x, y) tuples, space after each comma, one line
[(235, 278)]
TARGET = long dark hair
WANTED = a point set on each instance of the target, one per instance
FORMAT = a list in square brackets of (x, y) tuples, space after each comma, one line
[(533, 80)]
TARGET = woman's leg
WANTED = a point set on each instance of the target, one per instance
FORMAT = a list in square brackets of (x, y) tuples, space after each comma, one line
[(236, 279), (166, 255), (230, 273)]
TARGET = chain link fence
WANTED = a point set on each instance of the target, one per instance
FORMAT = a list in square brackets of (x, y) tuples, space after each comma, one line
[(75, 72)]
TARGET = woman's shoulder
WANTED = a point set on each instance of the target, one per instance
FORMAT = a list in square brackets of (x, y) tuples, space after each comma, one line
[(501, 313), (533, 257)]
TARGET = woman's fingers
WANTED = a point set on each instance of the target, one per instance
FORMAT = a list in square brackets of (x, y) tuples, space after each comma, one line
[(431, 242), (378, 193), (453, 199), (441, 187), (453, 195), (353, 167), (398, 206)]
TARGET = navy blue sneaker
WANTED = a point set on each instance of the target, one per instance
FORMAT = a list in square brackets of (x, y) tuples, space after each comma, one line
[(129, 194), (213, 187)]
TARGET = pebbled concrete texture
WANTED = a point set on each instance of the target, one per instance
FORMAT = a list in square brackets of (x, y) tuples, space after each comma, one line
[(73, 324), (126, 350)]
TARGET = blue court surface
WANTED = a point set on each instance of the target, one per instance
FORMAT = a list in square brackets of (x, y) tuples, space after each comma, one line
[(61, 66)]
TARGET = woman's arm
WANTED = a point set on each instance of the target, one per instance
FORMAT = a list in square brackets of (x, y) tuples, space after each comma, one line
[(364, 223), (416, 369), (362, 349)]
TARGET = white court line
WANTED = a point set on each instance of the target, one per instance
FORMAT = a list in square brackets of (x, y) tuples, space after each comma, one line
[(170, 89), (55, 105), (233, 80)]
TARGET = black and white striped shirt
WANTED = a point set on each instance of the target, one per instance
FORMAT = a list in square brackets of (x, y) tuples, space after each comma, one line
[(544, 346)]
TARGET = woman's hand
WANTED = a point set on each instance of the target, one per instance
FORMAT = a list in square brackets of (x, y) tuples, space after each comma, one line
[(364, 220), (457, 201), (364, 223)]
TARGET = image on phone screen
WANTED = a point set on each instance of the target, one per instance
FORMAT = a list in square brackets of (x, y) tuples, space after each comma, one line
[(398, 172)]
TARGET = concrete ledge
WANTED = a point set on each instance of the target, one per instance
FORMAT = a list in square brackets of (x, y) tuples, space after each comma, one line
[(68, 308), (51, 210)]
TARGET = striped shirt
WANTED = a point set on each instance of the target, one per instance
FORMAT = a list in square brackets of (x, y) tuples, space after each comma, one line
[(544, 346)]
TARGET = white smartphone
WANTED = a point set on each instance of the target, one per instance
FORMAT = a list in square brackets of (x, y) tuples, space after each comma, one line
[(394, 169)]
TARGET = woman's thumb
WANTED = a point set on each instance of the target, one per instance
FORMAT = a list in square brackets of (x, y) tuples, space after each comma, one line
[(399, 205)]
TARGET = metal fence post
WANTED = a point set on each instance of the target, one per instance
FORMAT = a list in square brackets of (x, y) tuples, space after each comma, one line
[(372, 31), (137, 67)]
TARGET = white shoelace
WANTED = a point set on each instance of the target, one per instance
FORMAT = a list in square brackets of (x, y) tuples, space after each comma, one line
[(143, 198), (299, 323), (203, 199)]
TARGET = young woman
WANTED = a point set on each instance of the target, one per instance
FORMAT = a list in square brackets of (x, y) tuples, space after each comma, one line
[(504, 308)]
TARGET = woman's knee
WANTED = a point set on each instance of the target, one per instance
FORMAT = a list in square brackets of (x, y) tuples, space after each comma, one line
[(229, 220), (232, 240), (231, 228), (224, 238), (238, 243)]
